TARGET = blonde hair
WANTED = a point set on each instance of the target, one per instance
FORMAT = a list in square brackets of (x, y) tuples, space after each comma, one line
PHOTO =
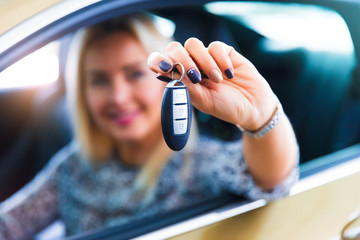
[(93, 143)]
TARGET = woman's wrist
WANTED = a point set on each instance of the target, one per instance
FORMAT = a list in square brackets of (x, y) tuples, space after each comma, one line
[(269, 125)]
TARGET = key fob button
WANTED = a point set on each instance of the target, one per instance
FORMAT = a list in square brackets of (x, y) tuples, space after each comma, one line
[(180, 126), (179, 96), (180, 111)]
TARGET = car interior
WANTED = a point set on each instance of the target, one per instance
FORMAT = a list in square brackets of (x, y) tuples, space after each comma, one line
[(319, 91)]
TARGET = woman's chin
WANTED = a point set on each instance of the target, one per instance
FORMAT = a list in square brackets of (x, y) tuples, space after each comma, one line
[(128, 135)]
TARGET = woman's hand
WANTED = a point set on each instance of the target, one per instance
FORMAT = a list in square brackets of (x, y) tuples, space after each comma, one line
[(234, 91), (237, 93)]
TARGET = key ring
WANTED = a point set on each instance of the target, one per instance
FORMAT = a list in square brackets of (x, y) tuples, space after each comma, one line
[(182, 72)]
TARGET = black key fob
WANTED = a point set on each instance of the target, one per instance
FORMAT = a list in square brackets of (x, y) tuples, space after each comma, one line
[(176, 115)]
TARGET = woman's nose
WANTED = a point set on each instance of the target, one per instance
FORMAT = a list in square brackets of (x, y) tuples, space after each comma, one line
[(121, 92)]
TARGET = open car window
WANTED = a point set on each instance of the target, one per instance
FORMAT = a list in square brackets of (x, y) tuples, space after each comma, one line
[(300, 44), (38, 68), (304, 51)]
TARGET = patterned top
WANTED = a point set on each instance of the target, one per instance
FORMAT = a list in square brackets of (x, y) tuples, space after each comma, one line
[(87, 196)]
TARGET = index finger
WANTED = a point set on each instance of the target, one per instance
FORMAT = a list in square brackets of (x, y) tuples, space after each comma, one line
[(159, 63)]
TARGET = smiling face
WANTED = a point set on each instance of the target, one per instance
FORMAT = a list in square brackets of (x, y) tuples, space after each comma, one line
[(121, 92)]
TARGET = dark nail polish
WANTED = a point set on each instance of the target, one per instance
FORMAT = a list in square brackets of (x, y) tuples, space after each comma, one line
[(175, 70), (165, 66), (163, 78), (229, 74), (204, 76), (193, 75)]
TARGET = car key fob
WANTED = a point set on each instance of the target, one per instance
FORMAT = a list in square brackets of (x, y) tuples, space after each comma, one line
[(176, 114)]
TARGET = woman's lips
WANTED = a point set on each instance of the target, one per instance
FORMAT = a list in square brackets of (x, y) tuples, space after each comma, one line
[(124, 119)]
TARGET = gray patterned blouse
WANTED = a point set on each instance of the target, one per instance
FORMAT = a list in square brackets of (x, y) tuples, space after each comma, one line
[(86, 196)]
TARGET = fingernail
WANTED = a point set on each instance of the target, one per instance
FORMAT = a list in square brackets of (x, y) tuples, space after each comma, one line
[(193, 75), (163, 78), (165, 66), (229, 74), (203, 75), (175, 70), (216, 76)]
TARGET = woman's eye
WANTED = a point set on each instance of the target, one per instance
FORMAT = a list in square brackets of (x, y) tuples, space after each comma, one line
[(99, 81), (135, 75)]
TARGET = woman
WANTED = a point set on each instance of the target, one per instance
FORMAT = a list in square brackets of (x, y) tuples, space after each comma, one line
[(119, 168)]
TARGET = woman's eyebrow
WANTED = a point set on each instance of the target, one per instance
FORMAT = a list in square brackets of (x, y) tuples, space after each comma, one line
[(94, 72), (125, 67), (134, 65)]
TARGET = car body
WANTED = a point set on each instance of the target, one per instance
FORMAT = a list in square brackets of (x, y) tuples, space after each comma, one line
[(317, 86)]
